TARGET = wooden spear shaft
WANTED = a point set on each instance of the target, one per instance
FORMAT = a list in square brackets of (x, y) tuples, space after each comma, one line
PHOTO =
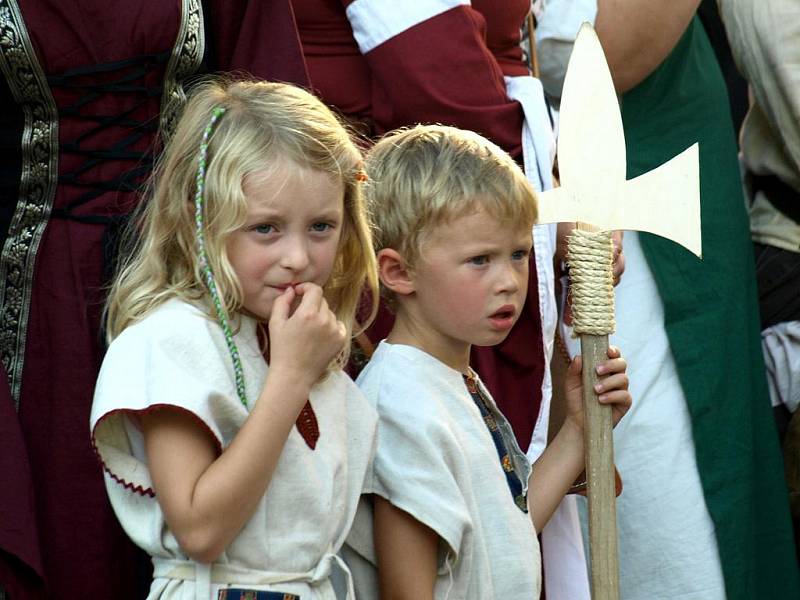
[(599, 452), (533, 59), (601, 493)]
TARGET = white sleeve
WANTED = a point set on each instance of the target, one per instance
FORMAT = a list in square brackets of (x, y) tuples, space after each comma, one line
[(147, 367), (416, 468), (557, 26)]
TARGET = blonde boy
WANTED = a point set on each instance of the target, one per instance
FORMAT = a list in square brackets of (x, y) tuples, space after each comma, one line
[(448, 515)]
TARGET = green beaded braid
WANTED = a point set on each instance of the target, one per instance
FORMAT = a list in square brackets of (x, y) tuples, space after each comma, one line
[(206, 268)]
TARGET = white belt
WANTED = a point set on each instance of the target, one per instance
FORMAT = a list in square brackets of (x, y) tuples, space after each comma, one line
[(204, 575)]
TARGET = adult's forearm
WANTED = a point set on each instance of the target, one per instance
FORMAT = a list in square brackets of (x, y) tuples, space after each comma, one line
[(637, 35)]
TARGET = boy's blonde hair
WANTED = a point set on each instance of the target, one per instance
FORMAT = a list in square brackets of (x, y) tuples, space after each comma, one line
[(264, 124), (430, 174)]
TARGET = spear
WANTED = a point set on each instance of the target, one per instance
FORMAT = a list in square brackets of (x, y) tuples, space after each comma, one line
[(595, 194)]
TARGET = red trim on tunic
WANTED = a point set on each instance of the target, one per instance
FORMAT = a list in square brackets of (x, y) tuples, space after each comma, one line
[(148, 491)]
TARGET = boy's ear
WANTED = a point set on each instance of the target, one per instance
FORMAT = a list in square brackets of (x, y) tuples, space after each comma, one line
[(394, 272)]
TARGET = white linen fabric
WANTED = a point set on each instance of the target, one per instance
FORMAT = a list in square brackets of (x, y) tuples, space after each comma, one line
[(558, 22), (379, 22), (782, 359), (566, 572), (176, 356), (763, 39), (436, 461)]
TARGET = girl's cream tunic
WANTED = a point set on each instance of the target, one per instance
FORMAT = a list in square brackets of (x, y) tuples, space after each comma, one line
[(177, 356)]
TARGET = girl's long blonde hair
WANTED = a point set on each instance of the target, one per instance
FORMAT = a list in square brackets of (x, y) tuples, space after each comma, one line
[(264, 123)]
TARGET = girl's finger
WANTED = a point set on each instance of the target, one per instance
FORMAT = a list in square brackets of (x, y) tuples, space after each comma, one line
[(282, 305), (614, 352), (311, 296), (324, 308), (306, 287), (341, 334)]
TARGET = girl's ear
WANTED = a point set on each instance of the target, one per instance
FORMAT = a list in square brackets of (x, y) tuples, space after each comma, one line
[(394, 272)]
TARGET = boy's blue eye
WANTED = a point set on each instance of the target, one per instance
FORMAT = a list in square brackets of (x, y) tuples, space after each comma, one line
[(520, 254), (264, 228), (479, 260)]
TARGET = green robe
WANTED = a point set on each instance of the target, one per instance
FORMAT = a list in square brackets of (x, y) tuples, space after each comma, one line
[(711, 319)]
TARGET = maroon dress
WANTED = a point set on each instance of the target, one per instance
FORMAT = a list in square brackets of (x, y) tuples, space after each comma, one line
[(449, 69), (87, 89)]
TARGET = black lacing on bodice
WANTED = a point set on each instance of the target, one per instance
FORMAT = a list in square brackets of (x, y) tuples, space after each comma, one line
[(126, 77)]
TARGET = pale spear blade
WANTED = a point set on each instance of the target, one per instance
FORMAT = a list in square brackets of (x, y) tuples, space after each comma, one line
[(591, 139), (592, 163)]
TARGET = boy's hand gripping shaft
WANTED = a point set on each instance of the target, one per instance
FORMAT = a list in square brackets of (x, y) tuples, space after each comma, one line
[(595, 194)]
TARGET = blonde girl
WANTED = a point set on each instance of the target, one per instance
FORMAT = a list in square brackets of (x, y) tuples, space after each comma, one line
[(233, 445)]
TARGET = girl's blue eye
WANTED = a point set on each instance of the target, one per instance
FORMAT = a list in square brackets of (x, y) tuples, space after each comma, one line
[(479, 260), (320, 227), (263, 228)]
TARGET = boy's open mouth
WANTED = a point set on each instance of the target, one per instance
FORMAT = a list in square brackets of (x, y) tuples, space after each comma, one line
[(506, 312)]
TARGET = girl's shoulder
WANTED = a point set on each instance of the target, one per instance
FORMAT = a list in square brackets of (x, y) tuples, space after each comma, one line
[(175, 324), (179, 334), (175, 316), (175, 355)]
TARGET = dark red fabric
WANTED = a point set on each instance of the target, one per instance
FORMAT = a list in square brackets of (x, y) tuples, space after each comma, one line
[(448, 69), (338, 71), (63, 349), (66, 526), (19, 580), (503, 32), (18, 531), (256, 37), (308, 426)]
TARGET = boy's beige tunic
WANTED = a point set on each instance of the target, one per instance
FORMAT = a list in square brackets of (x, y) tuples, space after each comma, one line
[(177, 356), (436, 461)]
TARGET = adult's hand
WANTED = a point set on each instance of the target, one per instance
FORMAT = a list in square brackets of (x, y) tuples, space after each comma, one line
[(618, 266)]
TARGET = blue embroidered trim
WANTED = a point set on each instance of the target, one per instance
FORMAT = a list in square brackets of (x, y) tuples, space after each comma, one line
[(514, 483), (242, 594)]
